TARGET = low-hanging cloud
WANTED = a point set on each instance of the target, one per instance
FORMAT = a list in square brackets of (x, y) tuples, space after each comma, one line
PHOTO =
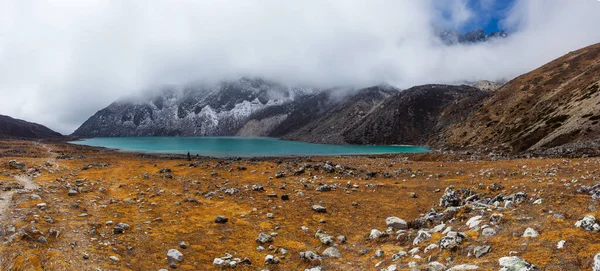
[(61, 61)]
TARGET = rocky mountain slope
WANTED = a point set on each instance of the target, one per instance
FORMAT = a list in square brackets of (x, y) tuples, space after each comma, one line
[(10, 127), (415, 115), (553, 108), (193, 111), (253, 107)]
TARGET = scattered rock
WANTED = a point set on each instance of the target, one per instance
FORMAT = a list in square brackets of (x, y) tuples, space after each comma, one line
[(530, 233), (331, 252), (264, 238), (173, 255), (396, 223), (481, 250), (515, 263), (319, 209), (588, 223), (221, 219)]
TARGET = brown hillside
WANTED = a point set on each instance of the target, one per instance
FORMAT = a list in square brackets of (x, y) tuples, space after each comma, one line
[(556, 105)]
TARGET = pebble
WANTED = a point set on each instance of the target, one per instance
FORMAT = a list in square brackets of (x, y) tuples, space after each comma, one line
[(221, 219), (319, 209), (114, 258)]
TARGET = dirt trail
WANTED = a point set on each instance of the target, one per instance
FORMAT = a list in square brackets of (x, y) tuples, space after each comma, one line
[(26, 180)]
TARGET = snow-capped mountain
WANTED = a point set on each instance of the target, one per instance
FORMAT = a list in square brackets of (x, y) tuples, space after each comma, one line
[(195, 110), (476, 36)]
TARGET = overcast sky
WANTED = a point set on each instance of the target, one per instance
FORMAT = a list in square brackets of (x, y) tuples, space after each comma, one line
[(61, 61)]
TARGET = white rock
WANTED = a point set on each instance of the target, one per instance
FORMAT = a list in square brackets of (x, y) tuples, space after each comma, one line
[(474, 221), (464, 267), (488, 232), (174, 255), (438, 228), (396, 223), (375, 233), (219, 262), (436, 266), (421, 237), (561, 244), (331, 252), (530, 233), (114, 258), (596, 266)]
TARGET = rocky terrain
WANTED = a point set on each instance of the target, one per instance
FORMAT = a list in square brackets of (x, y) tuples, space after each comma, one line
[(553, 109), (16, 128), (67, 207)]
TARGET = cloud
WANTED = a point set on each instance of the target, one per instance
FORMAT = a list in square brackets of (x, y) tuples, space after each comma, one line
[(61, 61)]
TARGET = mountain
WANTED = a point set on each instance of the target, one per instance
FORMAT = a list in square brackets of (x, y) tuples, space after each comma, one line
[(254, 107), (16, 128), (475, 36), (414, 115), (554, 108), (192, 111)]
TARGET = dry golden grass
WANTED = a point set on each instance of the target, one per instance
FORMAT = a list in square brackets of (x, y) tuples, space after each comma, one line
[(120, 192)]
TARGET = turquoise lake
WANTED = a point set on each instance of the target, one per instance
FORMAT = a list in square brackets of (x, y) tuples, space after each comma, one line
[(238, 146)]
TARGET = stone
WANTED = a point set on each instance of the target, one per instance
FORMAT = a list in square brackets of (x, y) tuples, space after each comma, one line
[(481, 250), (379, 253), (325, 239), (73, 192), (270, 259), (515, 263), (530, 233), (488, 232), (396, 223), (114, 258), (474, 221), (14, 164), (375, 233), (596, 266), (183, 245), (421, 237), (588, 223), (221, 219), (436, 266), (309, 256), (392, 267), (120, 228), (430, 247), (463, 267), (401, 254), (173, 255), (452, 240), (341, 239), (219, 262), (331, 252), (449, 199), (561, 244), (319, 209), (264, 238)]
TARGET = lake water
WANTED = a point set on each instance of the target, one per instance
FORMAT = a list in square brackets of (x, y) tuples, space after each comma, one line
[(238, 146)]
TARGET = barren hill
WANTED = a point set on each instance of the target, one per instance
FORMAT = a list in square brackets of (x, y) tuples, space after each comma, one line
[(556, 105), (10, 127)]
